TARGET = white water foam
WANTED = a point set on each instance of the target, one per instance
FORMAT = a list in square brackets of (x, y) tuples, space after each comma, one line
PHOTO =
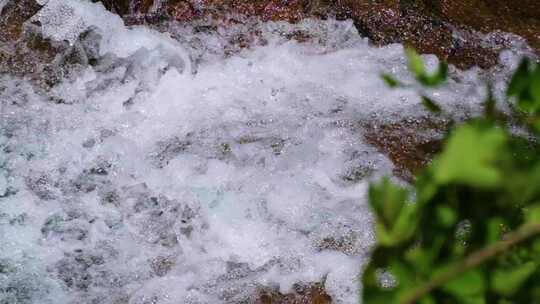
[(142, 180)]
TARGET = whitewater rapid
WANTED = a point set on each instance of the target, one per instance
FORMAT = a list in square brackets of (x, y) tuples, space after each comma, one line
[(172, 171)]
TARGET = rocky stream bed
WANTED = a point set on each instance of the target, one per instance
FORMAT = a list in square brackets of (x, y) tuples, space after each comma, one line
[(219, 151)]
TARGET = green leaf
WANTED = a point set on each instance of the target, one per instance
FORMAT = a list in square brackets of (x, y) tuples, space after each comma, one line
[(442, 72), (399, 231), (490, 103), (431, 105), (469, 287), (436, 78), (494, 230), (387, 200), (428, 300), (520, 79), (525, 87), (417, 67), (507, 282), (446, 216), (395, 217), (532, 214), (536, 246), (416, 64), (426, 187), (406, 223), (470, 157), (534, 87), (423, 258), (390, 81)]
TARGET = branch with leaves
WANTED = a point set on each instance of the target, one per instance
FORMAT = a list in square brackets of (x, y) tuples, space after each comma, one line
[(472, 232)]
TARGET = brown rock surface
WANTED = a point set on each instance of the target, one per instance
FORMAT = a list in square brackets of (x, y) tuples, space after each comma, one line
[(13, 16), (22, 50), (313, 294), (428, 25), (519, 17), (422, 26), (409, 143)]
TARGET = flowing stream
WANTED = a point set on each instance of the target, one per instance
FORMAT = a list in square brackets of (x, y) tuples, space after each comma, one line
[(173, 171)]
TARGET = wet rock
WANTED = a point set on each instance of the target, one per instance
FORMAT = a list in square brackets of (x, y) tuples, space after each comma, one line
[(13, 16), (157, 219), (162, 265), (65, 227), (407, 22), (20, 286), (14, 220), (25, 52), (303, 294), (91, 179), (42, 186), (22, 50), (181, 10), (28, 55), (449, 29), (346, 244), (357, 173), (521, 18), (409, 143), (167, 150), (120, 7), (74, 269)]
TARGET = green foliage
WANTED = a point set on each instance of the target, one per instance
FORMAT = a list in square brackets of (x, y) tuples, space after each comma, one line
[(472, 233), (525, 88), (396, 215), (525, 85), (391, 81), (416, 65), (431, 105), (471, 156)]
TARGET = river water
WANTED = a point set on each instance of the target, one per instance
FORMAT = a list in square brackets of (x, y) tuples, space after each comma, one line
[(177, 168)]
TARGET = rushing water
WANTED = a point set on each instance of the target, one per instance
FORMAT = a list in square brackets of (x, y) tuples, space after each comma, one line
[(174, 171)]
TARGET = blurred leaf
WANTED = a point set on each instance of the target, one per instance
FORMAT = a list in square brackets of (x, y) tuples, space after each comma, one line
[(387, 199), (525, 87), (426, 187), (416, 64), (430, 105), (494, 230), (520, 79), (536, 246), (532, 214), (470, 157), (490, 103), (399, 231), (469, 287), (442, 72), (446, 216), (437, 78), (535, 86), (507, 282), (391, 81), (417, 67), (428, 300), (423, 258)]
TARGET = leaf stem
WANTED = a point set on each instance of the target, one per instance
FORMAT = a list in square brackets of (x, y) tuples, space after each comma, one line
[(475, 259)]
